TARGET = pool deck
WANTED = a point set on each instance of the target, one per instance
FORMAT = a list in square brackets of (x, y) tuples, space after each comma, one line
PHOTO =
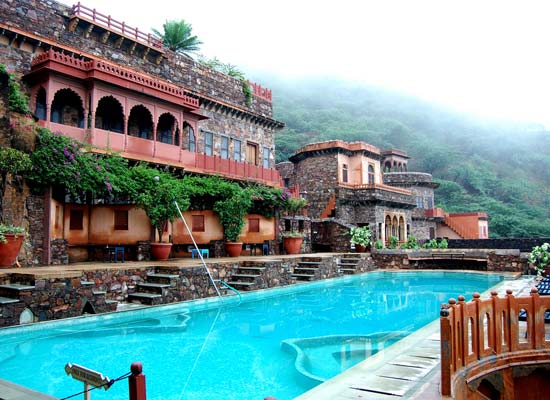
[(408, 369)]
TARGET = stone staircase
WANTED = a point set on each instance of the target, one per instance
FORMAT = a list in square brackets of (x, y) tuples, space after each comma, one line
[(156, 289), (307, 269), (11, 304), (248, 276), (348, 263)]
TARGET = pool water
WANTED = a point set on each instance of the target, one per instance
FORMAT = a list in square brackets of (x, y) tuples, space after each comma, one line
[(199, 350)]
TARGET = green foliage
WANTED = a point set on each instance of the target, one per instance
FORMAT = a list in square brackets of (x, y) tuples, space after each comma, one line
[(443, 244), (231, 212), (178, 37), (393, 243), (156, 192), (17, 100), (431, 244), (293, 205), (60, 161), (14, 161), (378, 244), (10, 229), (360, 235), (540, 257), (410, 243), (492, 166), (266, 201)]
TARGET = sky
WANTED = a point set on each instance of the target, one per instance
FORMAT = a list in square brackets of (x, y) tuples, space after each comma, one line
[(489, 58)]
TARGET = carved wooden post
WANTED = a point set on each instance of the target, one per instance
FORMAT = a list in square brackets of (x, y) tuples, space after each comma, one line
[(136, 382), (446, 348)]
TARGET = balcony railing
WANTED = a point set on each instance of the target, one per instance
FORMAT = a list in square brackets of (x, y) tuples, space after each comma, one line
[(92, 67), (434, 213), (483, 336), (376, 186), (115, 26)]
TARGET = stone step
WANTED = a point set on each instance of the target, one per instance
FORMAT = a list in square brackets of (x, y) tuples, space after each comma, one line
[(249, 276), (348, 271), (7, 300), (303, 275), (162, 276), (153, 285), (14, 289), (146, 298), (86, 283), (346, 259), (310, 262), (238, 283), (347, 264), (250, 268), (305, 269), (145, 295)]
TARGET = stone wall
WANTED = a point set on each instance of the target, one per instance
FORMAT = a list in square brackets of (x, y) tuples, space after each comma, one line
[(330, 235), (420, 228), (522, 244), (318, 176)]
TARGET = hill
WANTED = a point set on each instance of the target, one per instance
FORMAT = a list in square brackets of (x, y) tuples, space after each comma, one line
[(500, 167)]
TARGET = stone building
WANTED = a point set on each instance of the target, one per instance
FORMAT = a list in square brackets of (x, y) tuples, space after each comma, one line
[(356, 184), (114, 87)]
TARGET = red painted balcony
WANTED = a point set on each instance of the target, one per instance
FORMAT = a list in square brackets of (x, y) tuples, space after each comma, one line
[(434, 213)]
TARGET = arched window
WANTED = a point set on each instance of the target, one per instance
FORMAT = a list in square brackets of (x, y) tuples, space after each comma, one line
[(67, 109), (371, 174), (109, 115), (165, 128), (387, 166), (189, 134), (40, 107), (140, 122), (388, 227), (401, 229)]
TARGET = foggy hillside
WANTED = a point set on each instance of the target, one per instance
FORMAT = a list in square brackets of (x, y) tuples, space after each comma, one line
[(500, 167)]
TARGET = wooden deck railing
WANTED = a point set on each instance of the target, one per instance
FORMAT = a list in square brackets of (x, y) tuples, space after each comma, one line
[(113, 25), (490, 330)]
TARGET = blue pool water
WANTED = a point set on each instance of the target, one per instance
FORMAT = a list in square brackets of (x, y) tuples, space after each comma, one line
[(201, 351)]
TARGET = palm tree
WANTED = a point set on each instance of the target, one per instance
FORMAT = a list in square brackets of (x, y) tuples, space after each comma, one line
[(178, 37)]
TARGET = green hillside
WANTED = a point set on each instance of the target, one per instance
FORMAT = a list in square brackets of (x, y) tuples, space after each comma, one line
[(502, 168)]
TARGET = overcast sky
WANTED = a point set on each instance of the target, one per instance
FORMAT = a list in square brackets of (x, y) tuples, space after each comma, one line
[(488, 57)]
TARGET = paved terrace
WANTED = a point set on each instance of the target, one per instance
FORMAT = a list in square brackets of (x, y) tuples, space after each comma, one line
[(407, 370)]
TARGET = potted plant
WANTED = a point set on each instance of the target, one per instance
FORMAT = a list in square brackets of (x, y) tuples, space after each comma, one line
[(156, 192), (540, 258), (232, 211), (292, 240), (360, 237), (11, 239)]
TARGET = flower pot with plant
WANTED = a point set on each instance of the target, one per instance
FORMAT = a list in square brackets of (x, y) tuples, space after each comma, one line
[(11, 240), (231, 212), (540, 258), (292, 240), (156, 192), (360, 237)]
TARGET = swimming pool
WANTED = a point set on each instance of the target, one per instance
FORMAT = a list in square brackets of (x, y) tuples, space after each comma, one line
[(198, 350)]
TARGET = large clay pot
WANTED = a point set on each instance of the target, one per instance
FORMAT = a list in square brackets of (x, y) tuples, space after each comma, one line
[(10, 250), (292, 244), (233, 249), (360, 248), (160, 251)]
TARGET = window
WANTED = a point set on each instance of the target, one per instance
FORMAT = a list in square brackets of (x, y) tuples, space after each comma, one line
[(371, 174), (432, 233), (197, 223), (429, 202), (266, 157), (253, 224), (345, 173), (208, 143), (300, 225), (252, 153), (76, 221), (191, 133), (225, 148), (419, 202), (286, 182), (121, 220), (237, 150)]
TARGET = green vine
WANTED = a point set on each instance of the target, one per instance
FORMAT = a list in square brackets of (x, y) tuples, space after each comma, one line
[(14, 161), (17, 100), (247, 91)]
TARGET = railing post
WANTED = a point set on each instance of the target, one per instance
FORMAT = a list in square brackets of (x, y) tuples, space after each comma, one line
[(446, 349), (136, 382)]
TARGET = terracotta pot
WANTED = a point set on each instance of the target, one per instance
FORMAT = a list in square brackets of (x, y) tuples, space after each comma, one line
[(160, 251), (233, 249), (360, 248), (292, 244), (10, 250)]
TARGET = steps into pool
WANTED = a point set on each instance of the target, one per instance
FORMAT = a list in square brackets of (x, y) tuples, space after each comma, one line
[(156, 288), (307, 269), (348, 263), (247, 276)]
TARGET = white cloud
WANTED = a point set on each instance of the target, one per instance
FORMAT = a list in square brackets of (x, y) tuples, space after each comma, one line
[(488, 57)]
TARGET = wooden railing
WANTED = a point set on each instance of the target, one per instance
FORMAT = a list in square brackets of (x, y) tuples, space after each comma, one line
[(117, 72), (482, 336), (113, 25)]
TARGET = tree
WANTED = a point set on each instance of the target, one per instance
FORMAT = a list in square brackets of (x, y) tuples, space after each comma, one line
[(178, 37)]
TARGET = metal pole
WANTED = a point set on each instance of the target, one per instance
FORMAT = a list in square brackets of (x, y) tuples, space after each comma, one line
[(198, 250), (136, 382)]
